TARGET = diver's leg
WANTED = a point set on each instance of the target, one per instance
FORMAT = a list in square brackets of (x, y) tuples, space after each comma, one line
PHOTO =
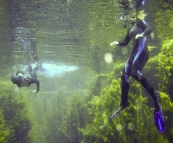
[(35, 56), (137, 66), (34, 74), (28, 69), (34, 52), (125, 79), (124, 90), (25, 46), (125, 82), (143, 81), (158, 114)]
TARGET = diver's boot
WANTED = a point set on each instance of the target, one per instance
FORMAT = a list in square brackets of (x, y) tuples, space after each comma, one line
[(124, 102), (157, 100), (29, 68), (37, 65), (158, 114)]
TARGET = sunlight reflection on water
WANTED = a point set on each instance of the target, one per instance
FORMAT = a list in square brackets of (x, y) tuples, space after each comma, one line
[(49, 69)]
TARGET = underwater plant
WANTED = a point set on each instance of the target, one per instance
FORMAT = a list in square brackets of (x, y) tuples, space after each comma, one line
[(165, 64), (134, 124), (14, 115)]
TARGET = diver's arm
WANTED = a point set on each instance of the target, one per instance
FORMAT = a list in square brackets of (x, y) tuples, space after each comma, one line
[(38, 86), (148, 28), (124, 42)]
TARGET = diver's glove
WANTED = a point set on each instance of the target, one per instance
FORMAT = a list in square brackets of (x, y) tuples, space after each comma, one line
[(34, 91), (114, 43), (159, 120), (138, 36)]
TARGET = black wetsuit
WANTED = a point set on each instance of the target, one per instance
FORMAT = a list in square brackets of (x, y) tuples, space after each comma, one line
[(28, 44), (22, 36), (26, 79), (136, 61)]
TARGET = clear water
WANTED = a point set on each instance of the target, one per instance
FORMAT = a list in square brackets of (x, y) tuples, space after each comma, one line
[(72, 39)]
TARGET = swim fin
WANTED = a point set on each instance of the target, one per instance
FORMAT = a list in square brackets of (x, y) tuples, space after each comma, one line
[(112, 116), (159, 120), (115, 113)]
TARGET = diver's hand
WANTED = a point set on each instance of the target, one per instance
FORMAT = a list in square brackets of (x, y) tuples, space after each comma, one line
[(114, 43), (34, 91), (139, 36)]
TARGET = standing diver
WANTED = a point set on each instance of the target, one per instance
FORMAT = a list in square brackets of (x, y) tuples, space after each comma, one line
[(139, 56), (25, 79)]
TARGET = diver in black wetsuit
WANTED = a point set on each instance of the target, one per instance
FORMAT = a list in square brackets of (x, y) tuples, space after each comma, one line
[(25, 79), (139, 56), (22, 79)]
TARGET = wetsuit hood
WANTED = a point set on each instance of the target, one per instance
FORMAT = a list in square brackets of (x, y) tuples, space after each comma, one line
[(14, 79)]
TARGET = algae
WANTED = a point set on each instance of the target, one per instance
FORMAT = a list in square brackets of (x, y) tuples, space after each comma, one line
[(14, 114)]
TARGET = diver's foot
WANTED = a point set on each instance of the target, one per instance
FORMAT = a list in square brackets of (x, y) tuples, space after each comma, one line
[(124, 104), (29, 68), (37, 65), (158, 113)]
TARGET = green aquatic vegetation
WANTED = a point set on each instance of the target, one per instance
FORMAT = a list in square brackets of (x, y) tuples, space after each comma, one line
[(150, 48), (163, 18), (76, 117), (134, 124), (137, 114), (167, 106), (97, 83), (4, 131), (81, 118), (165, 63), (14, 115), (48, 111)]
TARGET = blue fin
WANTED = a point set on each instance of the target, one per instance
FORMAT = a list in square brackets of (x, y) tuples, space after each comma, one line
[(159, 120)]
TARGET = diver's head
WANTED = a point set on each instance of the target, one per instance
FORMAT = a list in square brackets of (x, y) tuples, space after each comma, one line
[(129, 18), (14, 79)]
